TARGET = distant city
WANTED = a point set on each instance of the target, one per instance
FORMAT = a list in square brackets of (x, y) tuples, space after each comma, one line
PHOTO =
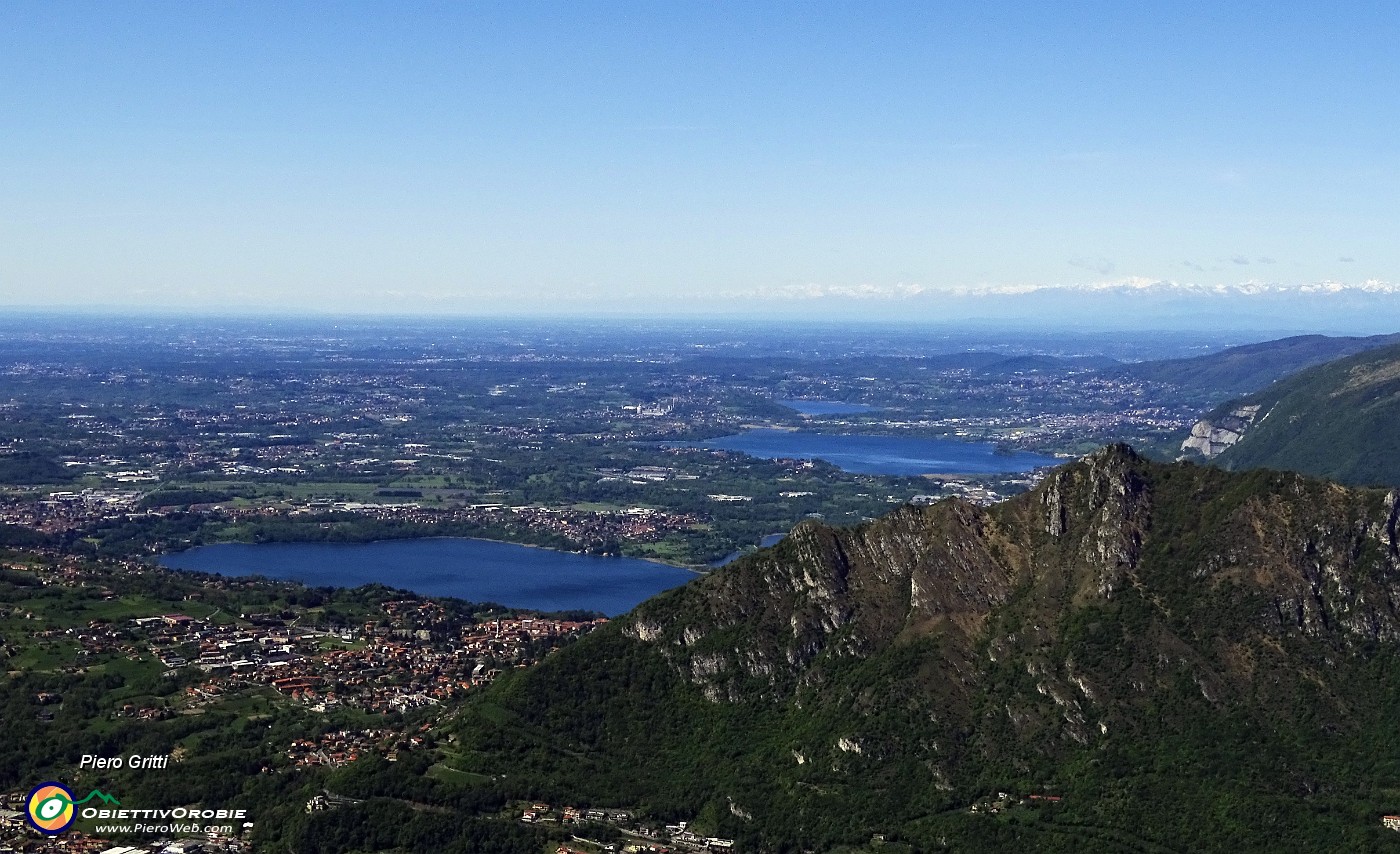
[(603, 438)]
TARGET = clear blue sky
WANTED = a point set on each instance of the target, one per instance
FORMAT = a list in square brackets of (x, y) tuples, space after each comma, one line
[(822, 158)]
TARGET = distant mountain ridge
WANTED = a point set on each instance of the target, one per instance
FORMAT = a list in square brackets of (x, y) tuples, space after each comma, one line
[(1250, 367), (1190, 659), (1339, 420)]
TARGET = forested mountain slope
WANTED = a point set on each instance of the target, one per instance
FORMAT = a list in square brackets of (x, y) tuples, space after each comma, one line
[(1340, 420), (1191, 659), (1250, 367)]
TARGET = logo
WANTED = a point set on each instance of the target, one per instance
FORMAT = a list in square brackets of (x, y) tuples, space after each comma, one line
[(50, 807)]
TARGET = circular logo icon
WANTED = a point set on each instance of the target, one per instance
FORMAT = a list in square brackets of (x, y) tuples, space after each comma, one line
[(50, 808)]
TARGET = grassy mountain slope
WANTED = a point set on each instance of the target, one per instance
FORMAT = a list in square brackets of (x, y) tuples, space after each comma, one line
[(1241, 370), (1192, 659), (1340, 420)]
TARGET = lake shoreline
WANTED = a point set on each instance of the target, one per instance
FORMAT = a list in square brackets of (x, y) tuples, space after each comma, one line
[(698, 569), (876, 453), (474, 569)]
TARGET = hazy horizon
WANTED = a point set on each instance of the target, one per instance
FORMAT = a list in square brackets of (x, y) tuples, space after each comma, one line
[(959, 163), (990, 329)]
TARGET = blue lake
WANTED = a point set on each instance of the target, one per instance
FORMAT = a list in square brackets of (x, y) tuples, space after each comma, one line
[(825, 407), (868, 454), (476, 570)]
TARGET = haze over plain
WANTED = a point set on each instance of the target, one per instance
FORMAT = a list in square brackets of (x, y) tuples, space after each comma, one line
[(1096, 164)]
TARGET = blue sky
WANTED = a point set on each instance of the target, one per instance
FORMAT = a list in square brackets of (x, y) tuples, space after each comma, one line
[(818, 159)]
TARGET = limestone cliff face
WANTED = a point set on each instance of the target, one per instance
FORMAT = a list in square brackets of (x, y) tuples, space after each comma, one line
[(833, 593), (1210, 437), (1097, 513), (1305, 558)]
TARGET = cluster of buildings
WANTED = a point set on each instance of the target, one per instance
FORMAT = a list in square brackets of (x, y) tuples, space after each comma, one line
[(582, 527), (638, 475), (685, 839), (413, 653), (414, 656), (66, 510), (642, 837), (1005, 800), (344, 746)]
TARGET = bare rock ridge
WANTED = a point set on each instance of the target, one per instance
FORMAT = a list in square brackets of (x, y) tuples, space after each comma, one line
[(1077, 540)]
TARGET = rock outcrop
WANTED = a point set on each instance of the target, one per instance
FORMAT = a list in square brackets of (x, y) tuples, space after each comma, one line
[(1210, 437)]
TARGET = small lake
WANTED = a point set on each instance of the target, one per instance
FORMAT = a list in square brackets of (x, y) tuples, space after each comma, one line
[(764, 542), (825, 407), (869, 454), (476, 570)]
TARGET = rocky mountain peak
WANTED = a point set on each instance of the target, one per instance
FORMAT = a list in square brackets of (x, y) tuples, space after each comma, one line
[(1122, 618)]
